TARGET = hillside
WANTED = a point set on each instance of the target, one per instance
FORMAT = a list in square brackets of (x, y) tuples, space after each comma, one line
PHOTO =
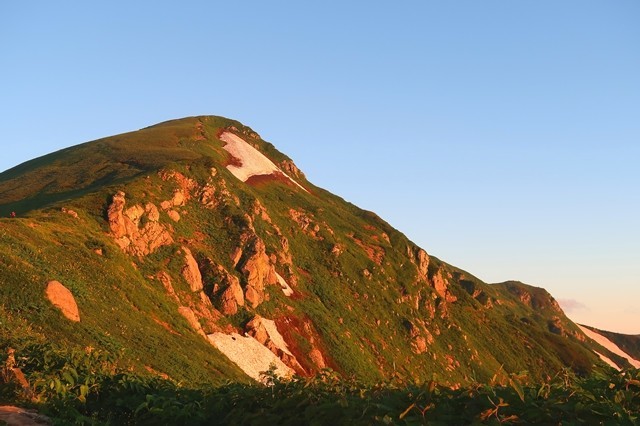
[(194, 251)]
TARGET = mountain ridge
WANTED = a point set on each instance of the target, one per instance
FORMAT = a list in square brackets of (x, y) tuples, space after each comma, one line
[(156, 225)]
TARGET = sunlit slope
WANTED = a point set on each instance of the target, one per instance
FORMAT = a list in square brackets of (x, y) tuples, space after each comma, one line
[(175, 236)]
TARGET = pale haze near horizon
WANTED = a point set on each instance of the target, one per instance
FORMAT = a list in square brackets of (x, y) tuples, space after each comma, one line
[(502, 137)]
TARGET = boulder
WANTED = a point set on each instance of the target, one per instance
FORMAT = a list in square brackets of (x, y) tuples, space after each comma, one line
[(61, 297), (232, 296), (191, 272)]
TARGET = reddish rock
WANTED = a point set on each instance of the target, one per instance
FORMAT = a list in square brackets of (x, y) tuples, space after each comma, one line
[(127, 232), (258, 272), (191, 318), (318, 360), (191, 272), (232, 296), (61, 297)]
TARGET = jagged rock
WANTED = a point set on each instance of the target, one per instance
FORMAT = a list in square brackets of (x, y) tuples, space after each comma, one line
[(207, 195), (236, 256), (191, 272), (441, 286), (165, 279), (423, 262), (126, 230), (61, 297), (420, 337), (318, 360), (115, 216), (191, 318), (258, 272), (232, 296), (266, 332), (290, 168)]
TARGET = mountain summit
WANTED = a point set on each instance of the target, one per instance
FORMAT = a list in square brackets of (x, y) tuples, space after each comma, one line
[(196, 251)]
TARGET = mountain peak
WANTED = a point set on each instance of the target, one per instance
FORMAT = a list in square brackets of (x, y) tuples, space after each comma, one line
[(203, 252)]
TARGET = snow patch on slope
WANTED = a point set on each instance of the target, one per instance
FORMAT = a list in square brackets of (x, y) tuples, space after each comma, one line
[(608, 361), (252, 161), (248, 354), (603, 341), (286, 289), (275, 336)]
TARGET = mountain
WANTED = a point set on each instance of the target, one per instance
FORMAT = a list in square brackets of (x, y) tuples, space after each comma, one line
[(196, 251)]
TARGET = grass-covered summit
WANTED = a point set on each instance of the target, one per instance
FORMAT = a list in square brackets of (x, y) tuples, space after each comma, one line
[(194, 251)]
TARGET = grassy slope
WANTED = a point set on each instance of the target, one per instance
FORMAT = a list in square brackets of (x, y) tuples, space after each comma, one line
[(361, 321)]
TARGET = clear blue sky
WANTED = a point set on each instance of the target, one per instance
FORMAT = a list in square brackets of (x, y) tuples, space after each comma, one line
[(501, 136)]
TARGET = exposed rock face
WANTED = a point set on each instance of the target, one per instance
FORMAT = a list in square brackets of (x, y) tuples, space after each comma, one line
[(266, 332), (423, 262), (232, 296), (258, 271), (420, 337), (61, 297), (420, 258), (165, 279), (318, 360), (191, 272), (182, 194), (290, 168), (115, 216), (441, 286), (129, 234), (191, 318)]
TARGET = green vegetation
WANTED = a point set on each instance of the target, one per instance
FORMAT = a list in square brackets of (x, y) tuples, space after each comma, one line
[(365, 301), (88, 387)]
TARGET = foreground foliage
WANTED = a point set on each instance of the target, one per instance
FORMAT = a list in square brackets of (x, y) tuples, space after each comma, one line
[(88, 387)]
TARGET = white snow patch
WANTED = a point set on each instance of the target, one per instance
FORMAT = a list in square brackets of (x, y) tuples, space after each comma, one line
[(603, 341), (286, 289), (608, 361), (253, 162), (248, 354)]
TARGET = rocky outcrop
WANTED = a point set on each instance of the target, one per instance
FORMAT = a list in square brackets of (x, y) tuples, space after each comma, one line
[(188, 314), (61, 298), (441, 286), (422, 259), (182, 193), (191, 272), (290, 168), (266, 332), (257, 270), (165, 279), (232, 297), (136, 230), (421, 338), (317, 359)]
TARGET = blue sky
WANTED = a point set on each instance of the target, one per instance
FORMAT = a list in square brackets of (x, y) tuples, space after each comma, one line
[(501, 136)]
